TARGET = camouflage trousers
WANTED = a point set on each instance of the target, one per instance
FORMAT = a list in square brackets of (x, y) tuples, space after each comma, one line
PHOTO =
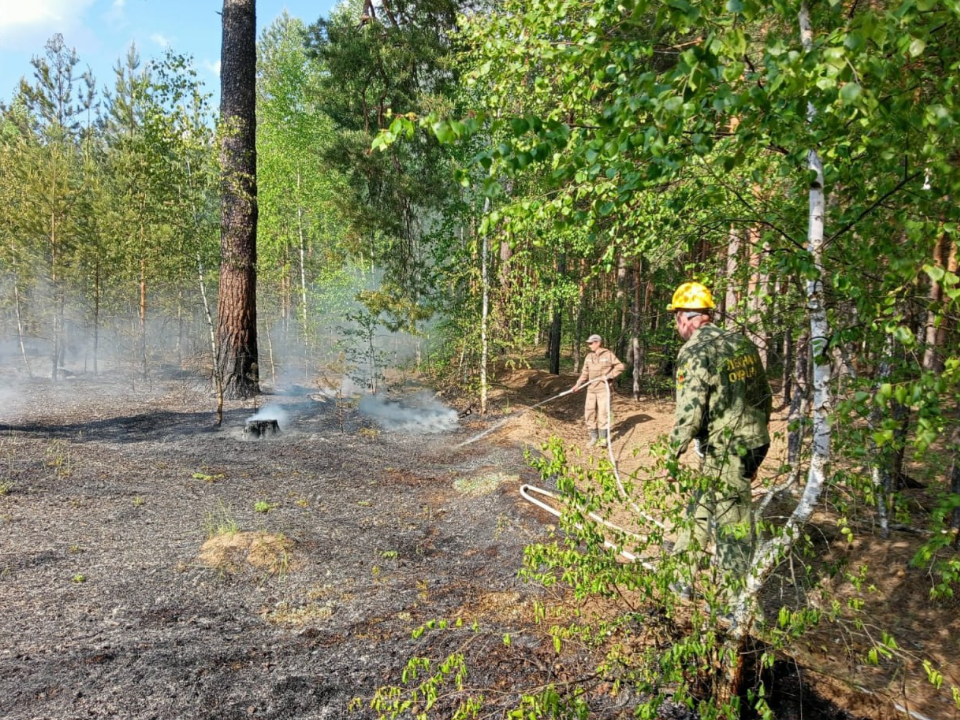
[(722, 511)]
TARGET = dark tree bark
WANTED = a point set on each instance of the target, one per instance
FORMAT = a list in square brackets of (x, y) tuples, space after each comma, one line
[(556, 325), (955, 485), (237, 308), (624, 295), (578, 318)]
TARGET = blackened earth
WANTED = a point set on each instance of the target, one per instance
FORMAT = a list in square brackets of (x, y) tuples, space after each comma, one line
[(112, 603)]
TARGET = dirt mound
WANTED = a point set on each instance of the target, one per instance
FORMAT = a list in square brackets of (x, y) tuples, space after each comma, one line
[(232, 551)]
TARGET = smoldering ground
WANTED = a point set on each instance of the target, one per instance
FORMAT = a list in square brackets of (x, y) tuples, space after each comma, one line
[(153, 565), (111, 609), (421, 413)]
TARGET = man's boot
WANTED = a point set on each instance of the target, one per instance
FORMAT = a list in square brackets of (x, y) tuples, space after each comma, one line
[(603, 439), (593, 437)]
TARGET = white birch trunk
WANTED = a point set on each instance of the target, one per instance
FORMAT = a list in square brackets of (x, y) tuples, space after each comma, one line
[(16, 298), (769, 554), (880, 470), (209, 315)]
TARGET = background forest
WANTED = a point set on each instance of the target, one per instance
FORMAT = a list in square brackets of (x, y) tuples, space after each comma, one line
[(474, 185)]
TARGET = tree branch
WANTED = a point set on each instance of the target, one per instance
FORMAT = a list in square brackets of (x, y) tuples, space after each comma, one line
[(874, 206)]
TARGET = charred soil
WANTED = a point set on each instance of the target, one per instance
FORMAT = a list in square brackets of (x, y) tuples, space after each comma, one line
[(154, 565)]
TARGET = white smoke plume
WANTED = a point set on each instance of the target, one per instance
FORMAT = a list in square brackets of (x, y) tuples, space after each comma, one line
[(421, 413), (273, 412), (348, 388)]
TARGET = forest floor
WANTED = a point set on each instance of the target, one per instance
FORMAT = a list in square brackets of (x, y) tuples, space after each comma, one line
[(154, 565)]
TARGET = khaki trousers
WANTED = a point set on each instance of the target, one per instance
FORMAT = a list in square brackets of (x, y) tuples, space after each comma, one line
[(596, 407)]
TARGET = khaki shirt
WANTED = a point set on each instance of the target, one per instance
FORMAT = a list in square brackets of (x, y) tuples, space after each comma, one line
[(723, 396), (597, 364)]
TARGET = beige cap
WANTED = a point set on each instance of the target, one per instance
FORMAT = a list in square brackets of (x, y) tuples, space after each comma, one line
[(595, 338)]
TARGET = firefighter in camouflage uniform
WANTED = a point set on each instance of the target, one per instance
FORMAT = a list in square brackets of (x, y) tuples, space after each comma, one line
[(723, 405)]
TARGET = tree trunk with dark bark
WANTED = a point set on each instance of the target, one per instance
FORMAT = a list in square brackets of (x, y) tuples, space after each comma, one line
[(556, 325), (237, 309), (624, 297), (955, 485)]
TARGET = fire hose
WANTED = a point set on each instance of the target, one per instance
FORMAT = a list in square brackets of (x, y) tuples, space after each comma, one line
[(528, 492)]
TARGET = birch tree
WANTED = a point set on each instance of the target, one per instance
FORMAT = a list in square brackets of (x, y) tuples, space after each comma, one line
[(638, 102)]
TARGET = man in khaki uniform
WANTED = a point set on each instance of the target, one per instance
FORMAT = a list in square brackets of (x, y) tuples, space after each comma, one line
[(723, 404), (600, 363)]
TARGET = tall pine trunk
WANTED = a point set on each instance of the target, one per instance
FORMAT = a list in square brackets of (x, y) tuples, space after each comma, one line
[(301, 240), (730, 272), (58, 302), (484, 314), (96, 315), (237, 306), (142, 315), (638, 355)]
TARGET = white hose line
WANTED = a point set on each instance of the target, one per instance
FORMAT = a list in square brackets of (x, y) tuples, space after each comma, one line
[(616, 471), (613, 463), (516, 415), (527, 492)]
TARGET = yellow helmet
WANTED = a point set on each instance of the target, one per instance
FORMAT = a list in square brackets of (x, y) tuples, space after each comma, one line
[(691, 296)]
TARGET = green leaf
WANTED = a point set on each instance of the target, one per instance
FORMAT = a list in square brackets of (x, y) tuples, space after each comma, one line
[(673, 104), (443, 131), (883, 437), (855, 40), (935, 272), (519, 126), (904, 335), (850, 93)]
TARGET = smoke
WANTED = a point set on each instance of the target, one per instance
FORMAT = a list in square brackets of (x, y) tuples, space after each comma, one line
[(421, 414), (348, 388), (273, 412), (9, 401)]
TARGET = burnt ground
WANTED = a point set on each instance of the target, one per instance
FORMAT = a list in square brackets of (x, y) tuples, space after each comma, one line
[(153, 565)]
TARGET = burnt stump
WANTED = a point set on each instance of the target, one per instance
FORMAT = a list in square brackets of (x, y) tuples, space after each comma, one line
[(261, 428)]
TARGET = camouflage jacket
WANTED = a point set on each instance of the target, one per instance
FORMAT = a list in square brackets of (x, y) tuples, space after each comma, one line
[(723, 397), (597, 364)]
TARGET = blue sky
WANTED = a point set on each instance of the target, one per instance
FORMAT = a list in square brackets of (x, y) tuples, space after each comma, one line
[(101, 31)]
